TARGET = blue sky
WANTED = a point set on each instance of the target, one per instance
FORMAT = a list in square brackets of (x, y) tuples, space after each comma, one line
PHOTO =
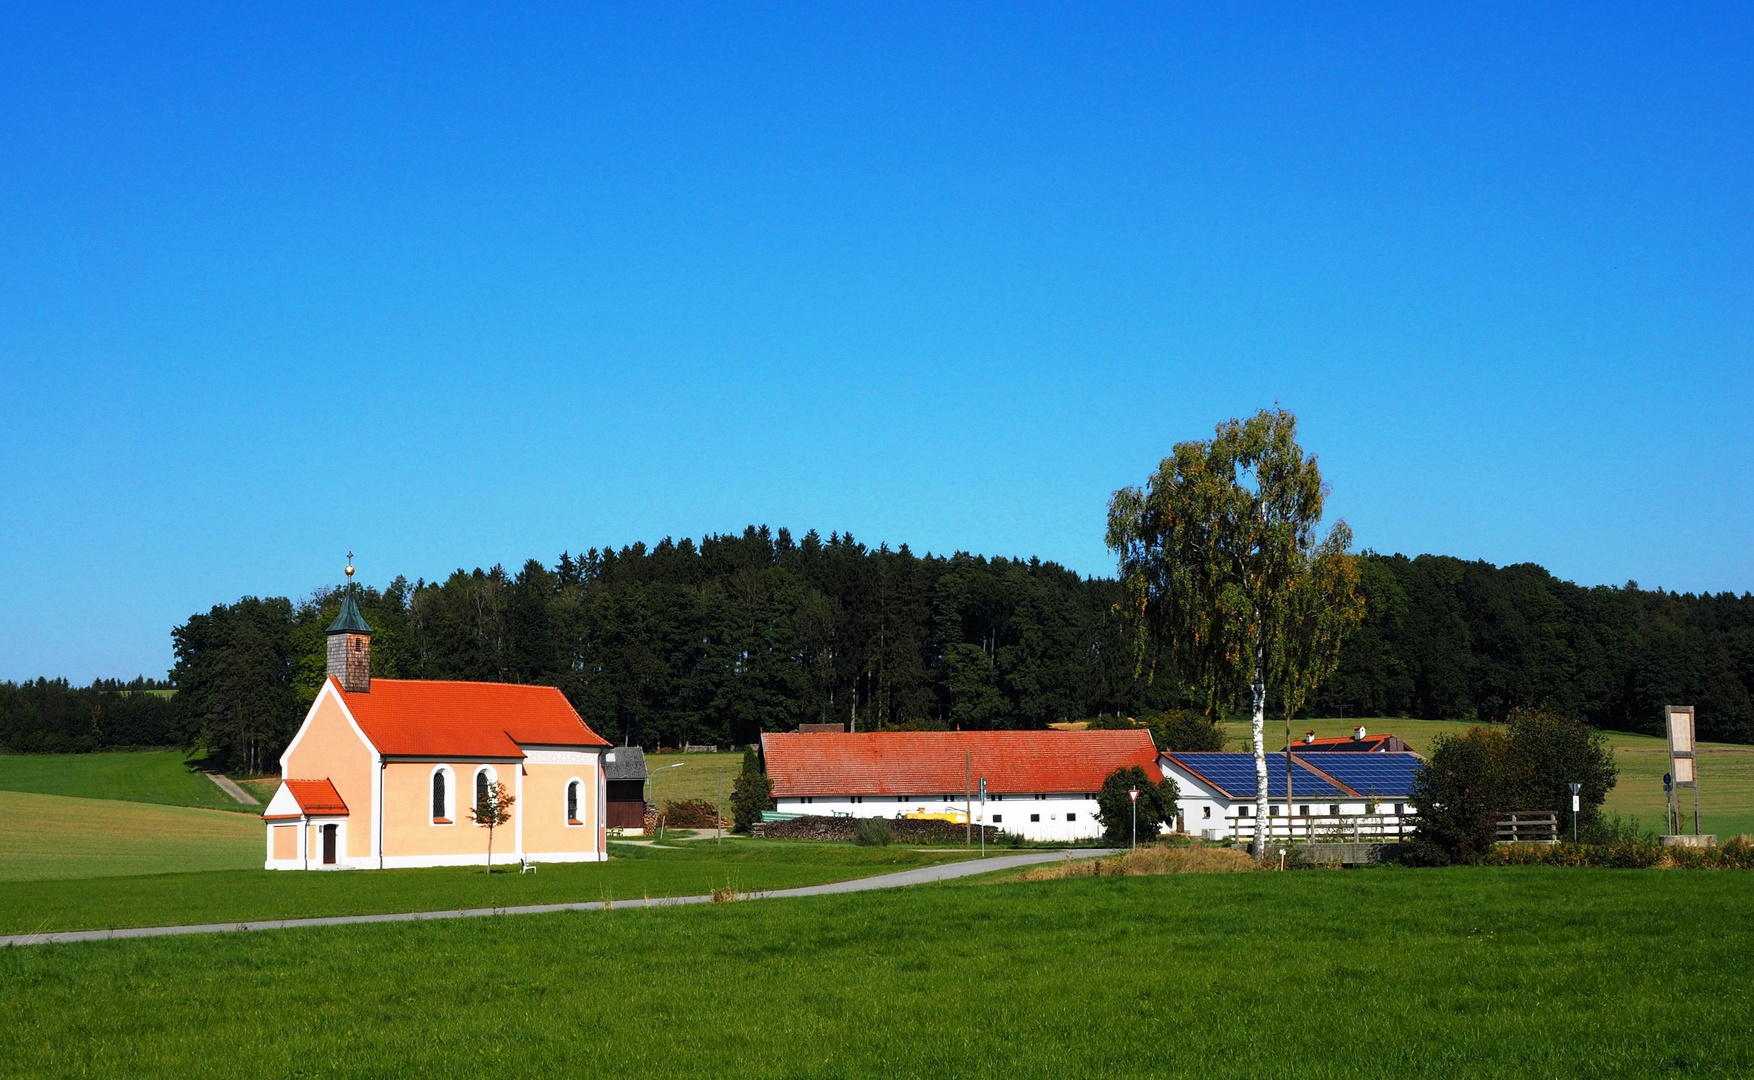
[(449, 288)]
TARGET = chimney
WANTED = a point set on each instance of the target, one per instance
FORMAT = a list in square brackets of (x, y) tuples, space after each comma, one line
[(1309, 736), (350, 643), (1358, 733)]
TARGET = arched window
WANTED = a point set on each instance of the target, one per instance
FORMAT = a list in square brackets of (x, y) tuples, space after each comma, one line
[(444, 795), (574, 792), (482, 783)]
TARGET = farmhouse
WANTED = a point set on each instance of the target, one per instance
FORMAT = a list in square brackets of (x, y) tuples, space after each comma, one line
[(1040, 784), (1217, 792), (382, 772)]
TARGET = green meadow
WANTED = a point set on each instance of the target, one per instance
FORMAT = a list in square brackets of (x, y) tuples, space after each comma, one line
[(56, 837), (148, 776), (1513, 972), (230, 894)]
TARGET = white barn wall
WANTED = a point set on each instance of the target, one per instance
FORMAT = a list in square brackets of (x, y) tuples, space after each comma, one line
[(1061, 816)]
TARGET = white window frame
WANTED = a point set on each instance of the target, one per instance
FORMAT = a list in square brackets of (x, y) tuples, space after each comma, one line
[(492, 779), (565, 791), (450, 776)]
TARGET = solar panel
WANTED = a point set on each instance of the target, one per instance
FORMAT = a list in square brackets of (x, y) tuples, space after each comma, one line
[(1235, 773), (1372, 774)]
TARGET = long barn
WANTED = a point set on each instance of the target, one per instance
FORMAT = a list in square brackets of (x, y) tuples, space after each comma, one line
[(1040, 784)]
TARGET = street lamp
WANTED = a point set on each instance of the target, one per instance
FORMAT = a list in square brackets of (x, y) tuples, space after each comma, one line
[(1575, 788), (1133, 794)]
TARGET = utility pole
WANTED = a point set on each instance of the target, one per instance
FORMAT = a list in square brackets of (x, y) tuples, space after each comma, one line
[(968, 799), (983, 817)]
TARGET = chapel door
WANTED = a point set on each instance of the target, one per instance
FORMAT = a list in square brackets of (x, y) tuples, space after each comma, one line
[(329, 844)]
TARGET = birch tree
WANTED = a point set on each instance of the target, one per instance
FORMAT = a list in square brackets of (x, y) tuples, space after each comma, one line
[(1223, 571)]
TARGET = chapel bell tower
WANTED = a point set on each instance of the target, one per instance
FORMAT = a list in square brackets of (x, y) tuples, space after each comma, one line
[(350, 643)]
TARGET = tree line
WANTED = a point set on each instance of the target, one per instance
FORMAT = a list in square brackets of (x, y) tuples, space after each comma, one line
[(716, 641), (51, 716)]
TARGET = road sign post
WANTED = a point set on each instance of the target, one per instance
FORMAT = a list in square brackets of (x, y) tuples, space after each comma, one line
[(1575, 788), (1683, 760)]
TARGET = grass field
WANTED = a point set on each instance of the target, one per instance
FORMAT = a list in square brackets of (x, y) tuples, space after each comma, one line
[(697, 776), (695, 868), (149, 776), (55, 837), (1726, 771), (1390, 974)]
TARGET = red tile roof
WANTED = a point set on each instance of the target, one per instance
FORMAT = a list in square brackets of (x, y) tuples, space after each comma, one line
[(429, 718), (1370, 744), (317, 798), (935, 762)]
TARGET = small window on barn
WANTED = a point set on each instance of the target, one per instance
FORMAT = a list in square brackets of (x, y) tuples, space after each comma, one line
[(1071, 817), (1206, 812), (1334, 809), (998, 819), (574, 789), (1303, 811), (1400, 808), (1035, 817)]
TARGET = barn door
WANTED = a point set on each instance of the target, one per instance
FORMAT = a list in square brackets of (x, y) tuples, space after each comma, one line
[(329, 844)]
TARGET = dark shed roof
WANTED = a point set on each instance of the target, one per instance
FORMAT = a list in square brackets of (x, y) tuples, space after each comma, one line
[(624, 763)]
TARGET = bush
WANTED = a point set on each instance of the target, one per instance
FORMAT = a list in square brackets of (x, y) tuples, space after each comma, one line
[(1185, 731), (1527, 765), (1115, 809), (874, 832), (1458, 799), (691, 814)]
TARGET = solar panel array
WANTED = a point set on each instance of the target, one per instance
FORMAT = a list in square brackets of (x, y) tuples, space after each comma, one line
[(1386, 775), (1235, 773)]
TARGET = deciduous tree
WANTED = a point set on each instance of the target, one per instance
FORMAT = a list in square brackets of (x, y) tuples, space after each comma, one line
[(1220, 562)]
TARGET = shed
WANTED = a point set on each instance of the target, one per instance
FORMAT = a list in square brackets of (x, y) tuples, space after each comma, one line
[(624, 782)]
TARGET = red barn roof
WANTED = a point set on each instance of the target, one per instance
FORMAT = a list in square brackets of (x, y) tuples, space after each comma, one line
[(937, 762), (442, 719)]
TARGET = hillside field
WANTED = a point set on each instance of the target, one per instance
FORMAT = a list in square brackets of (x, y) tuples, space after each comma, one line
[(1387, 974), (50, 837), (148, 776)]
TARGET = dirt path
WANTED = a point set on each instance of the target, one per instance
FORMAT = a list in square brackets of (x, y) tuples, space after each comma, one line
[(230, 788)]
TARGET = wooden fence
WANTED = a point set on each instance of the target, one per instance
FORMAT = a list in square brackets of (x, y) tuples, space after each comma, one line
[(1330, 828), (1522, 828)]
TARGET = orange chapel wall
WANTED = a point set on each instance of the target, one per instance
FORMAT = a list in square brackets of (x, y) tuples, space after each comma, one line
[(328, 747), (408, 823), (545, 826)]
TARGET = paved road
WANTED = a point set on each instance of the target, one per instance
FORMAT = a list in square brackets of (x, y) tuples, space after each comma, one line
[(227, 785), (922, 876)]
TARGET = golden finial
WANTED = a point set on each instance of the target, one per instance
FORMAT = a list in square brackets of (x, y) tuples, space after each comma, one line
[(350, 566)]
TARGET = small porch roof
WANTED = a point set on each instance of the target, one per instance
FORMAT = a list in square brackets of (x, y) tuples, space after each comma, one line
[(305, 798)]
